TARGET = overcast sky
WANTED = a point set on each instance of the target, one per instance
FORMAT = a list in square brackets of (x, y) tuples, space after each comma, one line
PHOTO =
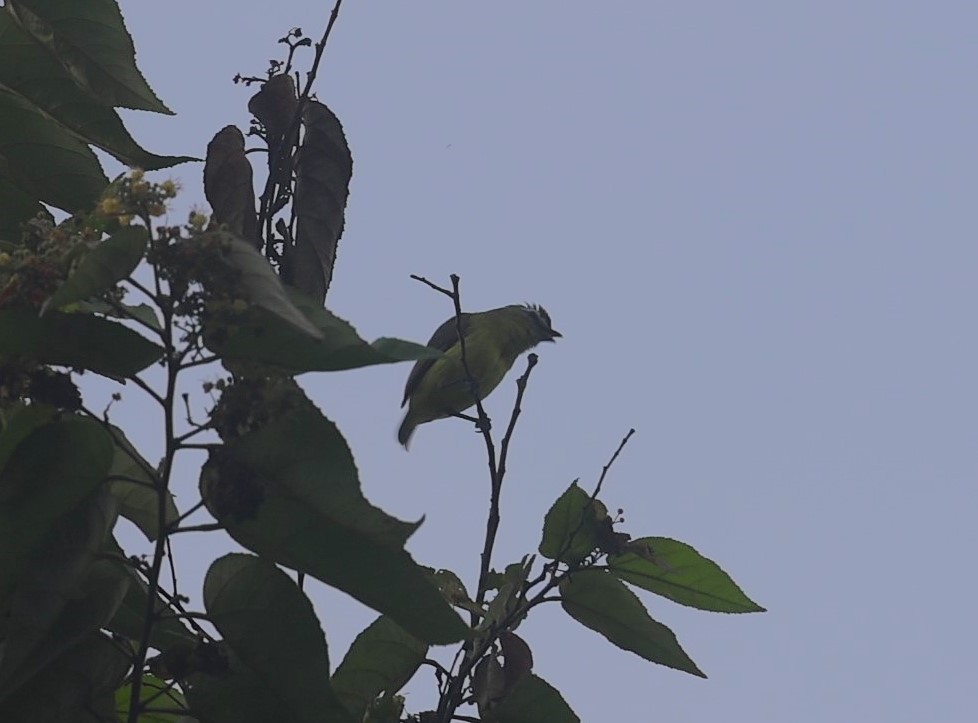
[(754, 224)]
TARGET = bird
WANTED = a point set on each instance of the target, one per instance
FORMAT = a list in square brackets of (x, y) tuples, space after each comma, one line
[(439, 388)]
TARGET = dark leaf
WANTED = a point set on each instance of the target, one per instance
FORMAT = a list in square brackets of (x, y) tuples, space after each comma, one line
[(44, 160), (228, 184), (77, 687), (77, 340), (236, 695), (383, 657), (49, 474), (533, 701), (571, 529), (324, 169), (488, 686), (272, 629), (29, 69), (517, 658), (17, 203), (598, 600), (64, 595), (291, 493), (135, 489), (675, 570), (91, 42), (274, 105), (19, 423), (105, 265), (260, 338)]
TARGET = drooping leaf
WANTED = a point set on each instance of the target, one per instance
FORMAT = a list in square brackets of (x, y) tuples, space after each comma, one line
[(28, 68), (105, 265), (45, 160), (135, 489), (274, 105), (323, 174), (90, 41), (228, 184), (675, 570), (64, 595), (384, 657), (77, 686), (77, 340), (290, 492), (533, 700), (570, 529), (260, 338), (600, 601), (49, 474), (271, 627), (257, 283)]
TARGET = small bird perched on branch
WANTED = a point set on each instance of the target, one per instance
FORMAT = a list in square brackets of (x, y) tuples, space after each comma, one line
[(439, 388)]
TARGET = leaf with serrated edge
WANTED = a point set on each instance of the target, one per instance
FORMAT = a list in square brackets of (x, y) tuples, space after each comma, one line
[(569, 528), (105, 265), (382, 658), (533, 700), (270, 625), (676, 571), (310, 515), (600, 601)]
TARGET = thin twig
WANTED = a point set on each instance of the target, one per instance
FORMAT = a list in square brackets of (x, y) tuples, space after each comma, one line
[(492, 525), (604, 470)]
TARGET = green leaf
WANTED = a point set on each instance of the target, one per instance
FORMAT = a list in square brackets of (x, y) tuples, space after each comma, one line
[(77, 340), (90, 40), (19, 423), (136, 494), (570, 529), (533, 700), (155, 693), (17, 204), (600, 601), (271, 627), (290, 492), (39, 486), (676, 571), (29, 69), (64, 595), (384, 657), (108, 263), (78, 686), (259, 285), (45, 160), (260, 338), (141, 312)]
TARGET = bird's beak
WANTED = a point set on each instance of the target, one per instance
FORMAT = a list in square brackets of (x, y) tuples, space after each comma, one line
[(555, 335)]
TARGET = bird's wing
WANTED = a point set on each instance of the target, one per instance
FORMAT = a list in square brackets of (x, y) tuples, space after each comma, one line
[(444, 338)]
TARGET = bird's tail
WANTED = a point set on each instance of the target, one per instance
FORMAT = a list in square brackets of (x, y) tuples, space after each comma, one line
[(406, 429)]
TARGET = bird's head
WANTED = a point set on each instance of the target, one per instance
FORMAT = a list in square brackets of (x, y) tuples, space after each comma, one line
[(540, 322)]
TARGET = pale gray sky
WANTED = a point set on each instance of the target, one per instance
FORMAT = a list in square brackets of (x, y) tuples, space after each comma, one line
[(754, 224)]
